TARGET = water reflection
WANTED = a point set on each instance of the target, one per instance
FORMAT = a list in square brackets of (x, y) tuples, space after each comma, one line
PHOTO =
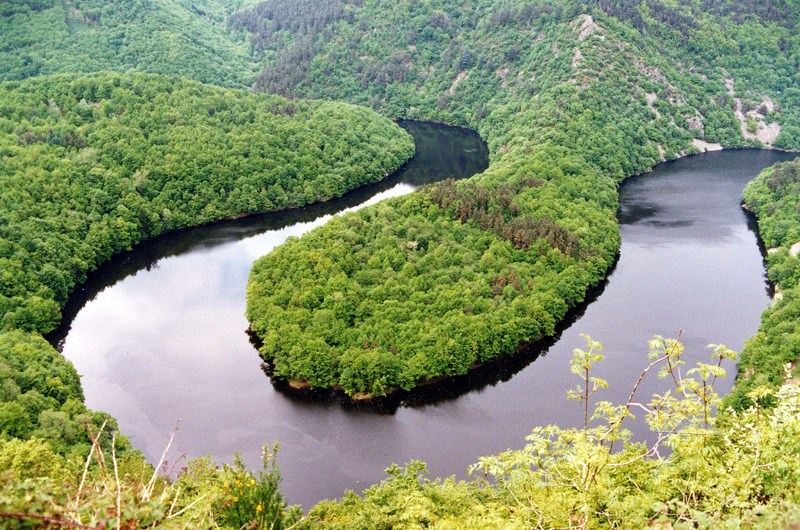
[(166, 340), (441, 152)]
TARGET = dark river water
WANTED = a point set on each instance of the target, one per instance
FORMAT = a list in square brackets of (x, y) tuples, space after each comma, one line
[(159, 334)]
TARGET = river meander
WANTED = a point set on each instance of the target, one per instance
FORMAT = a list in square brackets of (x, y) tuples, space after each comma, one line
[(158, 334)]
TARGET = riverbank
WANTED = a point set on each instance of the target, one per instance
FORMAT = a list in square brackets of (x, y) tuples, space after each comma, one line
[(770, 357)]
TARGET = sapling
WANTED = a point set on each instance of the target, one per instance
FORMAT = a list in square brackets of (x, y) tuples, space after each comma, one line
[(562, 477)]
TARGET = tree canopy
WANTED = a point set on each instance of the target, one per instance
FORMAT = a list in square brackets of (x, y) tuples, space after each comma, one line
[(172, 37), (571, 100), (571, 97), (94, 164), (774, 197)]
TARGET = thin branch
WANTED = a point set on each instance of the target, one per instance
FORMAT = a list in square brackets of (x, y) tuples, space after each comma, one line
[(116, 478), (88, 461), (303, 518), (174, 501), (629, 403), (641, 377), (586, 399), (150, 485), (644, 408), (669, 360), (189, 506), (175, 464), (650, 452), (719, 364)]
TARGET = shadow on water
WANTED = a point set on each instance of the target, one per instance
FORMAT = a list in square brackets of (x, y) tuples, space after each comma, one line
[(169, 343), (631, 212), (449, 388), (439, 155), (669, 224), (752, 226)]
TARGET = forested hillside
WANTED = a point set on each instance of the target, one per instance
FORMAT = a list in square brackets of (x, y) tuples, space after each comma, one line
[(570, 104), (775, 199), (572, 98), (176, 37), (94, 164), (462, 61)]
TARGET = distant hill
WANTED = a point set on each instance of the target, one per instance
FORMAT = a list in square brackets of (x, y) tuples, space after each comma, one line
[(460, 60), (175, 37)]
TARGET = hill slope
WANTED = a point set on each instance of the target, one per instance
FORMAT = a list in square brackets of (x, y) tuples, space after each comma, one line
[(571, 100), (174, 37)]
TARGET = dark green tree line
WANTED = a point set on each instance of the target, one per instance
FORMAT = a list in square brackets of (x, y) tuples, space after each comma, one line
[(774, 197)]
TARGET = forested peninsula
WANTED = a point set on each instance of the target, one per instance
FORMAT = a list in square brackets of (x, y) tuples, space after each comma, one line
[(570, 104), (571, 97)]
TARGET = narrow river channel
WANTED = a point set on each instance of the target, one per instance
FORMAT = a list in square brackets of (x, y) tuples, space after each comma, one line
[(158, 334)]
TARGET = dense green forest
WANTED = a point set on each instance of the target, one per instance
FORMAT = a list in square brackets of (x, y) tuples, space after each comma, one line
[(571, 97), (569, 103), (94, 164), (775, 199), (175, 37), (464, 61)]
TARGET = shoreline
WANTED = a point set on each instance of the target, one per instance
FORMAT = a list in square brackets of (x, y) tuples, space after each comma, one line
[(396, 396)]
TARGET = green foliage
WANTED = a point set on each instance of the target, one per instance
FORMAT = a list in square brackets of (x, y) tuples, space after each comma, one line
[(485, 265), (108, 490), (574, 476), (581, 363), (376, 315), (173, 37), (255, 502), (95, 164), (774, 196), (30, 459), (114, 487), (41, 397), (460, 62), (740, 472), (766, 354), (415, 288), (408, 500)]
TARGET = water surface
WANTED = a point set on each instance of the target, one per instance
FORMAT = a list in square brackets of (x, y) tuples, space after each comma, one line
[(159, 333)]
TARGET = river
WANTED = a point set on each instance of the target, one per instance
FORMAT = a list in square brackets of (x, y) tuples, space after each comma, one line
[(158, 334)]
